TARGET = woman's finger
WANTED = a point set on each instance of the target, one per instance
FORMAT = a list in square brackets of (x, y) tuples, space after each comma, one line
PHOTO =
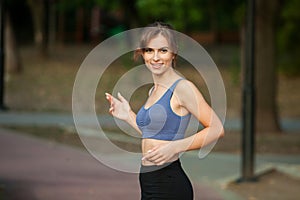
[(108, 97), (160, 161), (151, 156), (121, 98)]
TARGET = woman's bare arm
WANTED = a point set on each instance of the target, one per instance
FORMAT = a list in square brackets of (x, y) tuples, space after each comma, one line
[(193, 101)]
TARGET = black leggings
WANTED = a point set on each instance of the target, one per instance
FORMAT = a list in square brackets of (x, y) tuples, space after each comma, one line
[(166, 182)]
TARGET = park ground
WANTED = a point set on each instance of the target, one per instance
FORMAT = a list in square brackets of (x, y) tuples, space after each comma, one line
[(45, 85)]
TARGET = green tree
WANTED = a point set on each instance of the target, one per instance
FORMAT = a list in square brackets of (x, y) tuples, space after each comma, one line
[(127, 8), (181, 14), (288, 37), (63, 7), (190, 15)]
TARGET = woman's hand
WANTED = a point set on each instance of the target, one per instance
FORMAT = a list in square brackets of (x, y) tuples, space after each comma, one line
[(161, 154), (119, 107)]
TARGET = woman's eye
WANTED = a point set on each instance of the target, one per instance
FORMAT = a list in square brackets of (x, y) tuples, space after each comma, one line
[(148, 50), (164, 50)]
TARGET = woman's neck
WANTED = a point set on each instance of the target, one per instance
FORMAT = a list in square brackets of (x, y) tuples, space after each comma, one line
[(165, 79)]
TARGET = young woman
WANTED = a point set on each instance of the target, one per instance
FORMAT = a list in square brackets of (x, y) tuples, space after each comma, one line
[(163, 120)]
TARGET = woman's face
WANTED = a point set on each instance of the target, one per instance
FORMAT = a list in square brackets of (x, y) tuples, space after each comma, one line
[(157, 55)]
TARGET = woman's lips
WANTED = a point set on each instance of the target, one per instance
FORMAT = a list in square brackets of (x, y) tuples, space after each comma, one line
[(157, 65)]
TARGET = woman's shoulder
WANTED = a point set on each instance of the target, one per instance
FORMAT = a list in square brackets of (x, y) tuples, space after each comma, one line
[(185, 85), (187, 91)]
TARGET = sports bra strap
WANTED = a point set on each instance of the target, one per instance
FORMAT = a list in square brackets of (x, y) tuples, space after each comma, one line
[(175, 84)]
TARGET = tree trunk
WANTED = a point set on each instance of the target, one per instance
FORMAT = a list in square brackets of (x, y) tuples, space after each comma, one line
[(265, 67), (52, 24), (61, 28), (213, 20), (131, 18), (39, 12), (79, 34), (12, 56), (95, 24)]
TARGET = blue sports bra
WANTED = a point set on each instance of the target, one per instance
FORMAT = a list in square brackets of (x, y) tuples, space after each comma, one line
[(160, 122)]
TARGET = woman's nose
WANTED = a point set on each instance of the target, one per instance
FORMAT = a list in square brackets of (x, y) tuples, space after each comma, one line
[(156, 56)]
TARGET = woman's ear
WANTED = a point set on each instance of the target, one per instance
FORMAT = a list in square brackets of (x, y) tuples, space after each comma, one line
[(142, 53), (137, 53), (174, 60), (174, 56)]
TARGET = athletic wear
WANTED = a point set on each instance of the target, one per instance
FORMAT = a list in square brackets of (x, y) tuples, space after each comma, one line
[(167, 182), (160, 122)]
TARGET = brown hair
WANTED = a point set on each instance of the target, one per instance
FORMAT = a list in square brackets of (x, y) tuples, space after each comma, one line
[(151, 31)]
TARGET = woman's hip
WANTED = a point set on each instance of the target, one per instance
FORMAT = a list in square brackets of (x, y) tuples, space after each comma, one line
[(165, 182)]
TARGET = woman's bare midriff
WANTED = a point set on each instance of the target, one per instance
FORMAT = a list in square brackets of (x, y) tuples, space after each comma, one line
[(148, 144)]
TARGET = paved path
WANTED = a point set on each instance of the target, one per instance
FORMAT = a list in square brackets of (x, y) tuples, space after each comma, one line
[(36, 169), (32, 168)]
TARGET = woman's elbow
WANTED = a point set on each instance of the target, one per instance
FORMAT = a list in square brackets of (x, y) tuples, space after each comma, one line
[(221, 132)]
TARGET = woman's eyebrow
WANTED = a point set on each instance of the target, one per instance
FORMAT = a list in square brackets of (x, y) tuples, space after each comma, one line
[(147, 49), (156, 48)]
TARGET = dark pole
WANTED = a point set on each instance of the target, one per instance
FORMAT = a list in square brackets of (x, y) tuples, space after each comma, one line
[(248, 129), (2, 14)]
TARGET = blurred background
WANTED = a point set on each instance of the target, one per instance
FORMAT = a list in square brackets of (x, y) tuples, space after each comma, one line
[(47, 40)]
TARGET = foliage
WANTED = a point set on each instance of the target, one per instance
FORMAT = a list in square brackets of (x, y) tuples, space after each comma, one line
[(109, 4), (177, 12), (189, 15), (289, 38), (67, 5)]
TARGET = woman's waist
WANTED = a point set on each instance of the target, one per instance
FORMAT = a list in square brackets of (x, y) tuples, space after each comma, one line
[(149, 144), (151, 168)]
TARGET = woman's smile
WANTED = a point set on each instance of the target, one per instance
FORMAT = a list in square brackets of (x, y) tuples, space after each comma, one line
[(156, 65)]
